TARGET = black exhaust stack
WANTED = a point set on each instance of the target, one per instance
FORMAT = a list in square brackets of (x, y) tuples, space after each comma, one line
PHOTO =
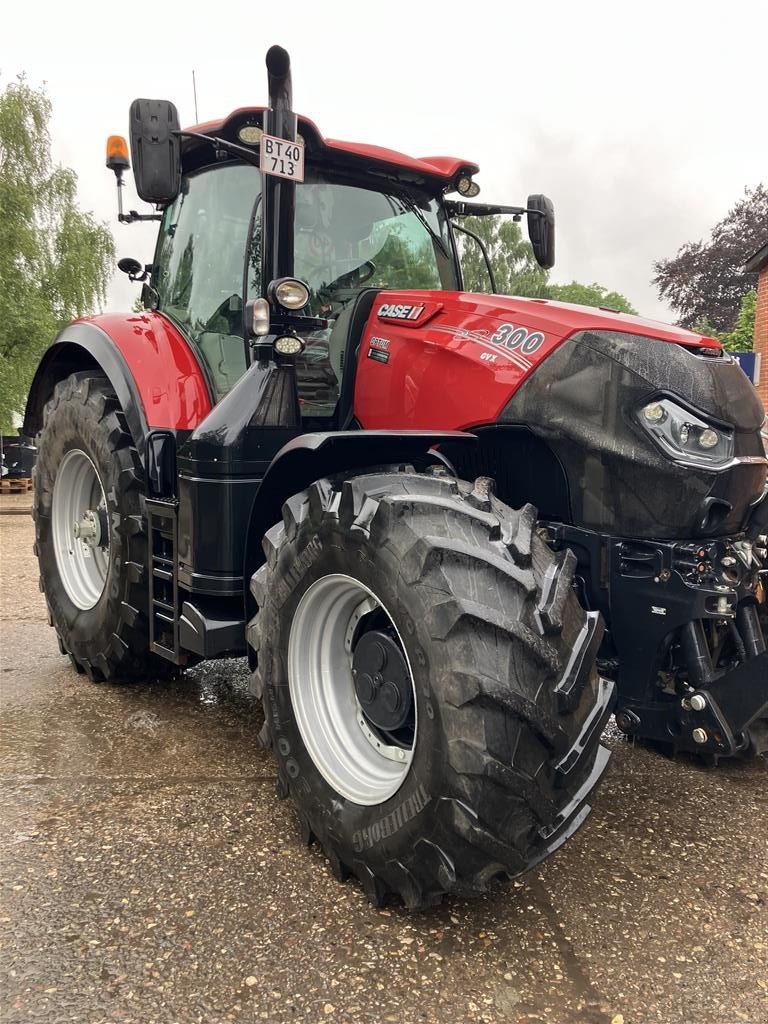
[(279, 197)]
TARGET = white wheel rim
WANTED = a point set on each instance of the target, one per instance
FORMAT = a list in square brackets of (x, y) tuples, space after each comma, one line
[(350, 755), (78, 518)]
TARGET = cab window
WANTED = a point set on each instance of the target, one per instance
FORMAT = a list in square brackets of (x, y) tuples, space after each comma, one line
[(199, 265)]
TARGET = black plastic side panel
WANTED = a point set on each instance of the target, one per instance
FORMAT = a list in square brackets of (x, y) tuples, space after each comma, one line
[(84, 346), (213, 524), (580, 401), (221, 466)]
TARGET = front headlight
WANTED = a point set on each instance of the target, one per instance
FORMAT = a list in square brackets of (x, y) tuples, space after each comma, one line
[(685, 437)]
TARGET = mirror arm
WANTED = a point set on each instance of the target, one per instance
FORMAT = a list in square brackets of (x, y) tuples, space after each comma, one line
[(222, 144), (460, 209), (483, 250), (132, 216)]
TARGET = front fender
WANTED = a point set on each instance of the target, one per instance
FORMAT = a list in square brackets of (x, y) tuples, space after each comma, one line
[(309, 457)]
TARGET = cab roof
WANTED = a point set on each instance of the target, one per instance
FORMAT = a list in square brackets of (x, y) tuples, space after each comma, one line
[(442, 170)]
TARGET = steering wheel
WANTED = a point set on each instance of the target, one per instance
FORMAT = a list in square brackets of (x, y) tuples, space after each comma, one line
[(231, 312), (344, 288)]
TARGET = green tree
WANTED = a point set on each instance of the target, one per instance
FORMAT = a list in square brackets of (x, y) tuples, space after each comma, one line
[(741, 337), (516, 270), (589, 295), (514, 266), (55, 260)]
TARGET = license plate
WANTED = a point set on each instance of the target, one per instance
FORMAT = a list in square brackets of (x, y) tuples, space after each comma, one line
[(282, 158)]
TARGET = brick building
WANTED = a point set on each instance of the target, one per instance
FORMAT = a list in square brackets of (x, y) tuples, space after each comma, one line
[(758, 264)]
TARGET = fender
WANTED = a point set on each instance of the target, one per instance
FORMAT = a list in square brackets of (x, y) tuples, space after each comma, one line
[(153, 369), (309, 457)]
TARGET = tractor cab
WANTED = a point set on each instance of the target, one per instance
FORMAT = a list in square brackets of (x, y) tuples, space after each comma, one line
[(351, 238), (261, 197)]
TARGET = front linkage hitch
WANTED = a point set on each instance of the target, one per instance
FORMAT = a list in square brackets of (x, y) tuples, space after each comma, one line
[(666, 602)]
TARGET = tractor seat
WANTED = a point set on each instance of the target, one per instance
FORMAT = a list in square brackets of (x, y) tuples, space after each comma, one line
[(343, 345)]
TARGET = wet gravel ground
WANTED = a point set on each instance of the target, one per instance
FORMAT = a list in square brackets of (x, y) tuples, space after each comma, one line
[(148, 874)]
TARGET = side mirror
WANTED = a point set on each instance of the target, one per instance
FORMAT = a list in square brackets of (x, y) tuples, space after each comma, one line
[(132, 268), (155, 150), (541, 229)]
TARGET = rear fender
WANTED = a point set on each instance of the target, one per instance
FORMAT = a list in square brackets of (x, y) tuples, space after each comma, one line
[(153, 370)]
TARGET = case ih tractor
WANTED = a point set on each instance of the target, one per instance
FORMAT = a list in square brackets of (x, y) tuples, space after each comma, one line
[(449, 530)]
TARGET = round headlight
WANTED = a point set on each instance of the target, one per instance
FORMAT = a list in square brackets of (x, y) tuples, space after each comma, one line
[(708, 438), (288, 345), (291, 294), (655, 412)]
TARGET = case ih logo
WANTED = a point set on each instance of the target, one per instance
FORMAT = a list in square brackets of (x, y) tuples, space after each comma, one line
[(394, 311)]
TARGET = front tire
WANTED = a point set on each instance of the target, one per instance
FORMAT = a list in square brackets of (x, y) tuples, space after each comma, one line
[(503, 748), (88, 474)]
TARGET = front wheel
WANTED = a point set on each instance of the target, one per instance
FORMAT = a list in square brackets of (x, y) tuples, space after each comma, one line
[(428, 683)]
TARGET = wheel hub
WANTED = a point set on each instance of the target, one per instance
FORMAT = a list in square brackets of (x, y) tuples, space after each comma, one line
[(90, 530), (382, 680)]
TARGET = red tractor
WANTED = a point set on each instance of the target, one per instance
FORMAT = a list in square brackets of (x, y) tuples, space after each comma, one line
[(414, 508)]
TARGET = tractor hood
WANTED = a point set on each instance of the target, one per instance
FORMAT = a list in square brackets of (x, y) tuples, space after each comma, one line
[(560, 319), (486, 347), (578, 378)]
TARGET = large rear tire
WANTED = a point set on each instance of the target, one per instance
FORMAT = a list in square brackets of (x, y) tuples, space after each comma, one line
[(501, 749), (90, 537)]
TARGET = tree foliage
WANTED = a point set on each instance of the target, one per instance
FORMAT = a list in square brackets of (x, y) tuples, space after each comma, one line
[(740, 339), (514, 267), (706, 281), (55, 260), (590, 295), (516, 270)]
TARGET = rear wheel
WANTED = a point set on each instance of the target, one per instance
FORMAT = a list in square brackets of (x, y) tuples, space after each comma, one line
[(428, 683), (90, 538)]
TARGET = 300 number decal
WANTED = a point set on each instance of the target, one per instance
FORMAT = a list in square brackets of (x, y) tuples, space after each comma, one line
[(511, 337)]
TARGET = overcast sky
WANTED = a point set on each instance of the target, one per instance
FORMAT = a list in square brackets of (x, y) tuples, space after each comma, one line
[(643, 121)]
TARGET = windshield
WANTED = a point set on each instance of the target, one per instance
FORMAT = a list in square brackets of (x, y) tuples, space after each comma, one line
[(348, 238)]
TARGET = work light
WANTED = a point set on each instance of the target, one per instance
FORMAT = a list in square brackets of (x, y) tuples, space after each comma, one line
[(466, 187), (288, 345), (259, 325), (289, 293)]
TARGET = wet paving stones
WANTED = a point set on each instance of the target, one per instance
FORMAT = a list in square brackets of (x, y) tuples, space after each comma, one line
[(149, 875)]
